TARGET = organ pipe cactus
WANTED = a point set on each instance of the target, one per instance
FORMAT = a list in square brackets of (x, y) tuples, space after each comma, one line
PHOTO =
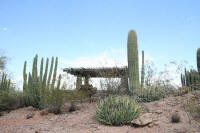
[(35, 85), (4, 83), (133, 65), (192, 77)]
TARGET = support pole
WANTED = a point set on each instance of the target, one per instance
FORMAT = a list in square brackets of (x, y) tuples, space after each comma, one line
[(78, 82)]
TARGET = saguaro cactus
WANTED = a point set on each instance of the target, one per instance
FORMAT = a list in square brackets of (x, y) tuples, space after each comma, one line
[(198, 60), (142, 71), (133, 65)]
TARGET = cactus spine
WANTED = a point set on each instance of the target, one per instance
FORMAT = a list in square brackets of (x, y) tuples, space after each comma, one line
[(133, 65), (142, 71), (198, 60)]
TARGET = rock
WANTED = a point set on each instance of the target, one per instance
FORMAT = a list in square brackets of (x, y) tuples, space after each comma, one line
[(28, 116), (74, 106), (180, 130), (44, 112), (158, 111), (144, 120)]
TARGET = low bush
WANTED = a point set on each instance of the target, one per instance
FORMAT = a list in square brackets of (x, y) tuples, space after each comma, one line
[(74, 95), (192, 106), (11, 100), (150, 94), (9, 97), (117, 110)]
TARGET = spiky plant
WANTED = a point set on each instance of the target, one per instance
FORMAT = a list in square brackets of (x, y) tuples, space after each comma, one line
[(133, 65), (117, 110)]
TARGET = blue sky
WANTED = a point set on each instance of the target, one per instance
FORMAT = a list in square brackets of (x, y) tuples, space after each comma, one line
[(83, 29)]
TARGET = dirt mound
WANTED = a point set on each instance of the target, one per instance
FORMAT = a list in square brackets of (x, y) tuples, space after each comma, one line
[(83, 120)]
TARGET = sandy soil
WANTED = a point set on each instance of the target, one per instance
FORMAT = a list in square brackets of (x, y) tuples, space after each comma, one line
[(83, 120)]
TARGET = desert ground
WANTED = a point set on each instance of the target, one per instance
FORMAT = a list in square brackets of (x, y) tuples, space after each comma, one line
[(83, 120)]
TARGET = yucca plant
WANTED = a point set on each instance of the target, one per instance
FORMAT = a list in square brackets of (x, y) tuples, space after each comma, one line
[(117, 110)]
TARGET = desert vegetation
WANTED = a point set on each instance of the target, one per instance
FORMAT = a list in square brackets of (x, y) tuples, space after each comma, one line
[(118, 102)]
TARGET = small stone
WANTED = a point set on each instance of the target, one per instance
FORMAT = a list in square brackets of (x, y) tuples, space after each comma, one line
[(44, 112), (28, 116), (158, 111), (144, 120)]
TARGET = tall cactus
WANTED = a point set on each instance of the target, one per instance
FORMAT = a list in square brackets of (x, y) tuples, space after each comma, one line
[(4, 83), (25, 77), (142, 71), (54, 74), (198, 60), (133, 65), (50, 72), (192, 77), (37, 84)]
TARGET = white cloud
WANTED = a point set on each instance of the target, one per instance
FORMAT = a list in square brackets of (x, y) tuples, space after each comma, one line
[(5, 29)]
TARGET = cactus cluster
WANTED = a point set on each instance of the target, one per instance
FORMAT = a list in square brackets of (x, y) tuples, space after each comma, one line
[(37, 83), (133, 62), (4, 82), (191, 78)]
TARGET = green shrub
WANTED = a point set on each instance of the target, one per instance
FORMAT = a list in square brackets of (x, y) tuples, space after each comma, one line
[(1, 114), (150, 94), (54, 100), (9, 97), (11, 100), (73, 95), (117, 110)]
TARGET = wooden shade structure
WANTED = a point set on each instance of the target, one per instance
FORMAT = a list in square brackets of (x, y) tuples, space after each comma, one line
[(112, 72)]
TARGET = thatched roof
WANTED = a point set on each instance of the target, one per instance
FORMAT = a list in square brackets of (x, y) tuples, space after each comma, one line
[(97, 72)]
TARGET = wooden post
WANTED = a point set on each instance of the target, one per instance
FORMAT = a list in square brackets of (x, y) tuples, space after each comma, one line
[(87, 80), (78, 82)]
